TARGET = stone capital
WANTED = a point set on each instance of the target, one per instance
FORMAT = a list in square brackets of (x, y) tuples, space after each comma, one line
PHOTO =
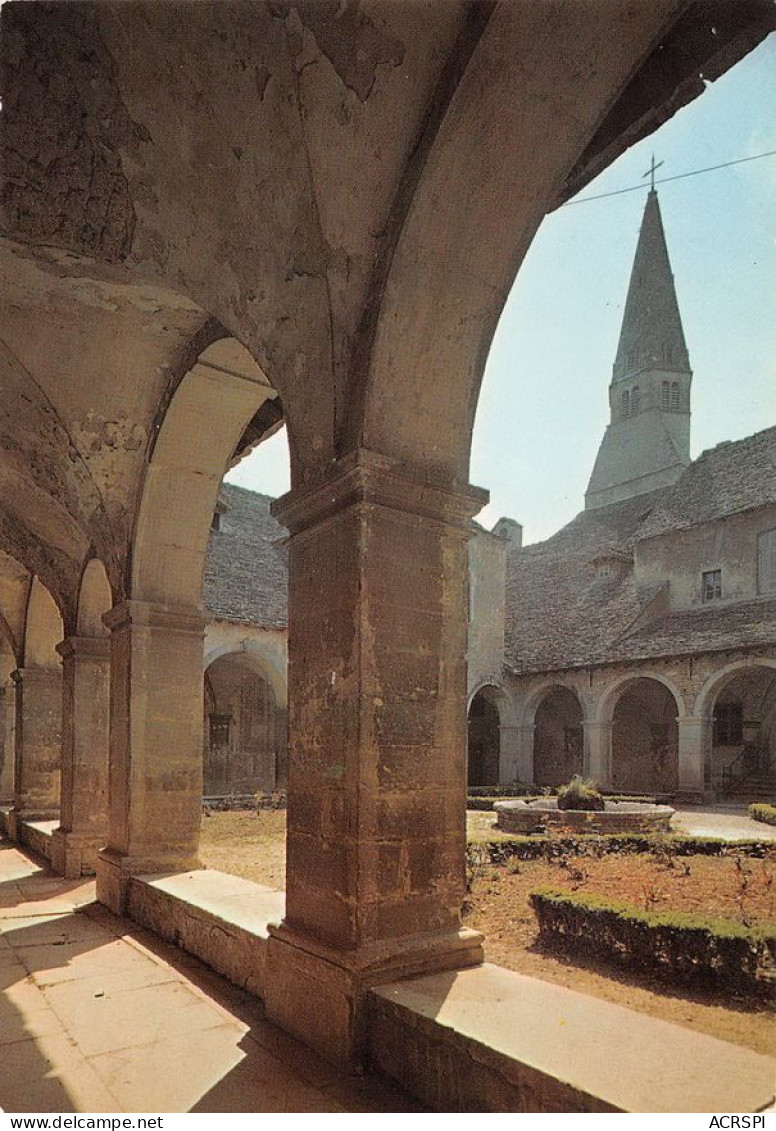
[(148, 614), (35, 673), (689, 721), (366, 478), (84, 647)]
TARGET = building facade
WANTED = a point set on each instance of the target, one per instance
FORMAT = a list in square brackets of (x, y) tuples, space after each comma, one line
[(639, 644)]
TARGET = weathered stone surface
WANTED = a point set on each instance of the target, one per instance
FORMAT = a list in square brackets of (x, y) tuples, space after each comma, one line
[(491, 1040)]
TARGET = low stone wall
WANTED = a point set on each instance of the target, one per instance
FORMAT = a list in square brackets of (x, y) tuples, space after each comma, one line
[(218, 918), (492, 1040), (618, 817), (36, 839)]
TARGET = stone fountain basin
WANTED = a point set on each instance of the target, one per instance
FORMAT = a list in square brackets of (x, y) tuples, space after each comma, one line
[(543, 815)]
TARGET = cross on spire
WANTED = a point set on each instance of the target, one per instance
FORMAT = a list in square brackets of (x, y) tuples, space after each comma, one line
[(651, 172)]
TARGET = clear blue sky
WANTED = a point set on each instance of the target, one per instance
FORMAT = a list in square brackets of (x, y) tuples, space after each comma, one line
[(543, 406)]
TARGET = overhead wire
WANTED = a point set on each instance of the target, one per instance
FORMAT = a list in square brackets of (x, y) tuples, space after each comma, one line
[(676, 177)]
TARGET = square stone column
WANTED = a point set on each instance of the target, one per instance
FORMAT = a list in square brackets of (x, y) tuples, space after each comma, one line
[(597, 755), (525, 753), (694, 754), (377, 746), (7, 720), (85, 716), (155, 763), (38, 745)]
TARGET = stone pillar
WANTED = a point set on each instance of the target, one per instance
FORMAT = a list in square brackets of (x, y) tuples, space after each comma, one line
[(85, 715), (377, 746), (597, 755), (155, 763), (7, 720), (525, 753), (694, 739), (38, 745), (509, 760)]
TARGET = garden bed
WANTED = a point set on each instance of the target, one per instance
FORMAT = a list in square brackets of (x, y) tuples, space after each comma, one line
[(724, 954)]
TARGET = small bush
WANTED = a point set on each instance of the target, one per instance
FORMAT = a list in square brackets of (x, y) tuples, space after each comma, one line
[(579, 794), (686, 948), (764, 813)]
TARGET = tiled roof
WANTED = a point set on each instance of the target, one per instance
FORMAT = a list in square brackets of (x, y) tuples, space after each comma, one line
[(707, 629), (728, 479), (246, 571), (561, 613)]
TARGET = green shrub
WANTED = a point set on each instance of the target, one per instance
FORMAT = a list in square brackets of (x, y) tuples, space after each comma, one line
[(686, 948), (517, 789), (763, 812), (579, 794), (538, 847)]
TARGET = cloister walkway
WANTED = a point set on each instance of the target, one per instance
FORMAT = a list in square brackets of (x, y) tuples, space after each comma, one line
[(98, 1015)]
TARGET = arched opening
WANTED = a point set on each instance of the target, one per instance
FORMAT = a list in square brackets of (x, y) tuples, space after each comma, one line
[(484, 738), (743, 733), (645, 738), (94, 600), (245, 737), (558, 750), (39, 710)]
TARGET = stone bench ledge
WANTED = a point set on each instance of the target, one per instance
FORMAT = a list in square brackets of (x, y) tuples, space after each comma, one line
[(218, 918), (489, 1039)]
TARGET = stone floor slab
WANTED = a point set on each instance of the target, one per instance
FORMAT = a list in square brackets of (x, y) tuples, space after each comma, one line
[(97, 1015)]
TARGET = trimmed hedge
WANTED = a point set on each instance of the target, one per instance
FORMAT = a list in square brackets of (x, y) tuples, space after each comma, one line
[(686, 948), (502, 792), (763, 812), (552, 847)]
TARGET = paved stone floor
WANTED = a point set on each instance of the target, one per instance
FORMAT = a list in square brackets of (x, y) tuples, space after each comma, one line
[(729, 821), (97, 1015)]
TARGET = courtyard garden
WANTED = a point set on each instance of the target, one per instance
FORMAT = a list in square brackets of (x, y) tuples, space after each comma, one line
[(685, 889)]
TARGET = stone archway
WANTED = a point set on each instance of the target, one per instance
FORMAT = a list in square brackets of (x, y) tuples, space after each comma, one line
[(221, 406), (645, 738), (245, 732), (558, 737), (741, 749), (484, 738)]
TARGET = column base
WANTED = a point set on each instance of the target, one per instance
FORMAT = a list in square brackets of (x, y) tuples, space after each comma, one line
[(318, 994), (73, 856), (115, 872)]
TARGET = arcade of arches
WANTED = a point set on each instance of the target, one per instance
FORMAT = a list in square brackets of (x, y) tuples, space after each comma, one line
[(236, 235), (687, 728)]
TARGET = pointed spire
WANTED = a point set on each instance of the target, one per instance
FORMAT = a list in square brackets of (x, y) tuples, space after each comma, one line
[(651, 336)]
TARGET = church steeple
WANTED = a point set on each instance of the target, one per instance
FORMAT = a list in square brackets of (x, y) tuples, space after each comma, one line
[(647, 443), (651, 334)]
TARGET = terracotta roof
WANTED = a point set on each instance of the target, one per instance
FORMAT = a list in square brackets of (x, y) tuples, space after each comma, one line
[(246, 571)]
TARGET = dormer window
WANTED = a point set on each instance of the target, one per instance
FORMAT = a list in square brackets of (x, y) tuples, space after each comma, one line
[(711, 585), (221, 509)]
